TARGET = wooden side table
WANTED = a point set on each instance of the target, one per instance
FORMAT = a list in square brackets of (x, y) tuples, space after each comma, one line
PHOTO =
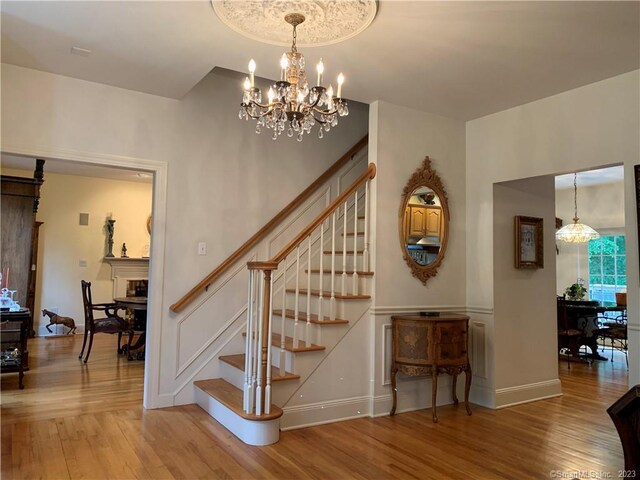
[(423, 345)]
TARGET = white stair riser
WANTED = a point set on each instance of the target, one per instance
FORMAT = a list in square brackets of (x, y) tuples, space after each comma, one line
[(343, 307), (319, 334), (232, 375), (364, 283), (249, 431)]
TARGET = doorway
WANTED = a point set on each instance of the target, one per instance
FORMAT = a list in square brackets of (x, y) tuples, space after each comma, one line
[(138, 172)]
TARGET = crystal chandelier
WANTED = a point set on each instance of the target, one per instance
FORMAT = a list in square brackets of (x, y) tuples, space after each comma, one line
[(576, 232), (291, 105)]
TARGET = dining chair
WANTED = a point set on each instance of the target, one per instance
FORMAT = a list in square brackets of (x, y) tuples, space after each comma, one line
[(108, 322), (569, 335), (615, 331)]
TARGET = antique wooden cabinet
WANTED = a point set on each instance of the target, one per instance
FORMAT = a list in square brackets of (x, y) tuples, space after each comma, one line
[(430, 345), (19, 204), (13, 343)]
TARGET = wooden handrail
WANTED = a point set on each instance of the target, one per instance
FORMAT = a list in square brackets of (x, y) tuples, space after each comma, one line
[(267, 228), (282, 254)]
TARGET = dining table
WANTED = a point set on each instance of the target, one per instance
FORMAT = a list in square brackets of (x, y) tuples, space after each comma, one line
[(138, 305)]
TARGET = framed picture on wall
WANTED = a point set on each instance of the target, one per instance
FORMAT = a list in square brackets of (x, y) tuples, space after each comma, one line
[(529, 242)]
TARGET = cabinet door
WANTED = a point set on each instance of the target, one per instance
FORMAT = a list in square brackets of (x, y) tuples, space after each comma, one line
[(451, 343), (418, 222), (432, 223)]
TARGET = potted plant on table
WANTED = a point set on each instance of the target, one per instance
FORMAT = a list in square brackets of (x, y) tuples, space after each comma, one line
[(576, 291)]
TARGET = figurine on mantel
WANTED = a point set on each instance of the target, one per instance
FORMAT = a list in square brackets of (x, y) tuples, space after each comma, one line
[(123, 253), (110, 227)]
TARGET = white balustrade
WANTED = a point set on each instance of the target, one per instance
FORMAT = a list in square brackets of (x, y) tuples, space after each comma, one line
[(262, 287)]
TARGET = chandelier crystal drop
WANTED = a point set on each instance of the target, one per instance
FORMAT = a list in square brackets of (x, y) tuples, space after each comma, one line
[(292, 106), (576, 232)]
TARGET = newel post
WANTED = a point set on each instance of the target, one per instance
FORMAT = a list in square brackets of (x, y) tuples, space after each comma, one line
[(263, 334)]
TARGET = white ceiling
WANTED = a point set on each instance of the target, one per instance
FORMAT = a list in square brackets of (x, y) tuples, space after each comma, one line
[(73, 168), (458, 59), (592, 177)]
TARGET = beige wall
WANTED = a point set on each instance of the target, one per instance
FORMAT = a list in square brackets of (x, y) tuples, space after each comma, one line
[(400, 138), (589, 127), (223, 181), (525, 336), (64, 243), (601, 207)]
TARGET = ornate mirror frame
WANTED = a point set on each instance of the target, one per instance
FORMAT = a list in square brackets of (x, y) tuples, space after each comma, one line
[(424, 176)]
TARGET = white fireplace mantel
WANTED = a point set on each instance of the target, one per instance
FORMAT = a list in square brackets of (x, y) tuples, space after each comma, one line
[(124, 269)]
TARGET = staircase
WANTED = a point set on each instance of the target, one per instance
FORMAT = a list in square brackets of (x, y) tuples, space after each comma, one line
[(301, 304)]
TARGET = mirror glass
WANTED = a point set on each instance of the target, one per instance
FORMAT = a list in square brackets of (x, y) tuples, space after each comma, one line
[(424, 222)]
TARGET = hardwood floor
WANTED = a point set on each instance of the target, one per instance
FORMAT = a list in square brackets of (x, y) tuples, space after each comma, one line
[(87, 421)]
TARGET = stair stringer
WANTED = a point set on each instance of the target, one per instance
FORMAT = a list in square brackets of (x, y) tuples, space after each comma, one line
[(198, 360), (337, 387)]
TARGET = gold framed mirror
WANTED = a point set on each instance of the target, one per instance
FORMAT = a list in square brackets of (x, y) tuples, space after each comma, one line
[(424, 222)]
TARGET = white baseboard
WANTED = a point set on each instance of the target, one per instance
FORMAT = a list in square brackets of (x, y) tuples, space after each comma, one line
[(324, 412), (510, 396), (59, 330)]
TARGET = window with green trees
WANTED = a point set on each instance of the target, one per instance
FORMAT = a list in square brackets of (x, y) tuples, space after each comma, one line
[(607, 267)]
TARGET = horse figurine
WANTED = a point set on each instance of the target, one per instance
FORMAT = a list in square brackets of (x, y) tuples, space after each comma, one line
[(55, 319)]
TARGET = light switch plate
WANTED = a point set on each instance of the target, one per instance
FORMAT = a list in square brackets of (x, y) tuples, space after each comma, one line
[(202, 248), (82, 262)]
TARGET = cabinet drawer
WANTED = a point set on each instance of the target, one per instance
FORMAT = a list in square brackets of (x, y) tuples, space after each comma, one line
[(451, 353)]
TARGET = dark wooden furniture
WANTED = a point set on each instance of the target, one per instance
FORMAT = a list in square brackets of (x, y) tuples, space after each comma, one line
[(138, 306), (423, 345), (577, 327), (19, 204), (13, 343), (615, 330), (625, 413), (110, 322), (33, 271)]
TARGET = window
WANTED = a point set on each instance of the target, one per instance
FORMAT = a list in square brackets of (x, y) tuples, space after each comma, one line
[(607, 268)]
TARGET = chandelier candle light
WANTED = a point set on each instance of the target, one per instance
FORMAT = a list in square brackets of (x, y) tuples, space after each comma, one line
[(576, 232), (291, 104)]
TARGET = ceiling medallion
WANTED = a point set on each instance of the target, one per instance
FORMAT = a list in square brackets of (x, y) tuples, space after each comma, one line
[(329, 21)]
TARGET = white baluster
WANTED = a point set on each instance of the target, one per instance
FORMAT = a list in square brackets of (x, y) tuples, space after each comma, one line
[(308, 328), (254, 343), (246, 404), (267, 392), (365, 254), (344, 251), (256, 348), (296, 333), (332, 302), (320, 285), (260, 380), (354, 286), (282, 321)]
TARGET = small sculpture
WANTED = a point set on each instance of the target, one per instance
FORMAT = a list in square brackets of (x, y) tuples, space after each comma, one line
[(123, 252), (55, 319), (110, 228)]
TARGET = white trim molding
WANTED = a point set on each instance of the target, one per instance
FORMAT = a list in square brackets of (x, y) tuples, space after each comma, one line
[(324, 412), (152, 398), (510, 396)]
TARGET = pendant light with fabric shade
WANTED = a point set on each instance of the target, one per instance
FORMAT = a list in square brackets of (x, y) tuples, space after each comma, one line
[(576, 232)]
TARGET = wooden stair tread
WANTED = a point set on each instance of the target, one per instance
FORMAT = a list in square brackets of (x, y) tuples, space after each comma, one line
[(349, 252), (237, 361), (351, 234), (302, 316), (316, 293), (231, 397), (359, 272), (276, 340)]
